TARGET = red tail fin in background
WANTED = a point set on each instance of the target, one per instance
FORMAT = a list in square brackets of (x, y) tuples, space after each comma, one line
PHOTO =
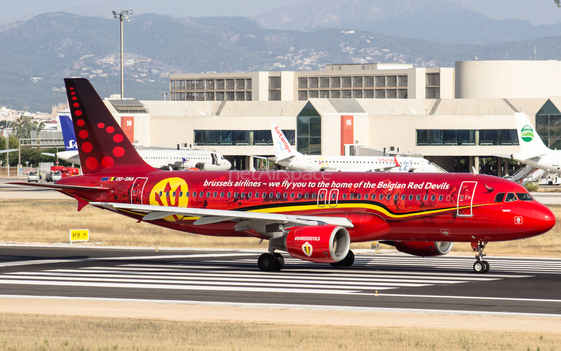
[(102, 144)]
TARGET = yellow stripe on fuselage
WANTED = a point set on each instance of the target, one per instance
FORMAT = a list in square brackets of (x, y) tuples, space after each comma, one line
[(376, 208)]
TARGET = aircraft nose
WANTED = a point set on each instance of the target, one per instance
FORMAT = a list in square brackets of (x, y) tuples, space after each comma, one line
[(545, 219)]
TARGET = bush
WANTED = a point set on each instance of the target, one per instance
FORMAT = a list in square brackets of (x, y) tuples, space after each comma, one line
[(532, 186)]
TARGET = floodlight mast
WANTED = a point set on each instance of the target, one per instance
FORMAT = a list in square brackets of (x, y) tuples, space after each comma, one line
[(124, 14)]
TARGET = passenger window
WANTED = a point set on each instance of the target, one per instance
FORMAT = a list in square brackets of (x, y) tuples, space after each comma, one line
[(271, 195), (403, 196), (358, 196), (351, 196), (306, 196), (194, 194), (440, 197), (256, 195), (500, 197), (181, 194), (388, 197), (395, 197), (425, 197), (510, 197), (208, 194), (410, 197), (365, 196), (292, 195), (285, 196), (381, 197), (299, 196), (418, 197), (215, 194), (344, 196), (173, 194), (229, 194), (278, 195), (433, 197), (524, 197), (314, 196), (236, 194), (222, 194)]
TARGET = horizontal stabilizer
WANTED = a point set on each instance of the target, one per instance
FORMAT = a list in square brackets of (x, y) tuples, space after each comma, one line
[(62, 187)]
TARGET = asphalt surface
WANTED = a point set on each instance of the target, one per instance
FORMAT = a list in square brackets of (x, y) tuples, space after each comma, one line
[(388, 281)]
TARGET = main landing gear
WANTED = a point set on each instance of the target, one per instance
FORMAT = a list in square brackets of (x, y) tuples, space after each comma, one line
[(345, 262), (480, 266), (270, 262)]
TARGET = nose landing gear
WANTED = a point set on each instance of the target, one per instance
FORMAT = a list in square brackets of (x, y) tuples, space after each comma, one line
[(480, 266)]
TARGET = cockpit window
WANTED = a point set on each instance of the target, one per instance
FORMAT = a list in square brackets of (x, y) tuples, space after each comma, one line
[(524, 197), (511, 197), (500, 197)]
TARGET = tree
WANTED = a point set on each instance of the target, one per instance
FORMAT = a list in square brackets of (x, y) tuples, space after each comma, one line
[(25, 125)]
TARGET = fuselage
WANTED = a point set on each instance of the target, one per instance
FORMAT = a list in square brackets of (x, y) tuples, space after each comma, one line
[(549, 161), (358, 164), (381, 206)]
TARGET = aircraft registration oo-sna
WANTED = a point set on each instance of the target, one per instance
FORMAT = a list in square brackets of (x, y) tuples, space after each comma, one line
[(314, 216)]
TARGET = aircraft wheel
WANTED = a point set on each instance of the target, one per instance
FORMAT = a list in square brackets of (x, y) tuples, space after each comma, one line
[(486, 268), (267, 262), (345, 262), (479, 267), (280, 261)]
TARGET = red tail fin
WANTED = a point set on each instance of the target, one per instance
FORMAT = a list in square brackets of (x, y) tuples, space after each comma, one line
[(102, 144)]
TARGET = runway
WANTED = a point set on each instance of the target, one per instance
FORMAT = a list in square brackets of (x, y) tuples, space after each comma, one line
[(391, 282)]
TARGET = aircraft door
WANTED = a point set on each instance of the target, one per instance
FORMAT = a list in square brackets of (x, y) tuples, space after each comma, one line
[(214, 158), (333, 197), (555, 159), (322, 197), (137, 189), (465, 199)]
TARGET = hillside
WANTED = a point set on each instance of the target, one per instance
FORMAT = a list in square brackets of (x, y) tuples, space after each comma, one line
[(40, 52)]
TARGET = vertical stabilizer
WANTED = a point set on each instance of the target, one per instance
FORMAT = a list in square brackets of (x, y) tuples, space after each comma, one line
[(68, 133), (102, 144), (530, 141), (282, 145)]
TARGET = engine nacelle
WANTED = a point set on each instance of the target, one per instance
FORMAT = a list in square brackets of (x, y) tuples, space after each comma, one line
[(423, 248), (320, 244)]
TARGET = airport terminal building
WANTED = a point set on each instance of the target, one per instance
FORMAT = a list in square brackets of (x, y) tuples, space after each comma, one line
[(457, 117)]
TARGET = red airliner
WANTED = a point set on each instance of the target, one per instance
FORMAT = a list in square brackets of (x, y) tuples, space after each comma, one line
[(314, 216)]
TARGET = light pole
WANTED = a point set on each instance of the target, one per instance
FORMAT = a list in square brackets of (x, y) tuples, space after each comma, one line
[(124, 14)]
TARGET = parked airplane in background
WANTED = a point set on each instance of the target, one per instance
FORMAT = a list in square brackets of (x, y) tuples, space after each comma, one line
[(314, 216), (287, 157), (157, 158), (533, 151)]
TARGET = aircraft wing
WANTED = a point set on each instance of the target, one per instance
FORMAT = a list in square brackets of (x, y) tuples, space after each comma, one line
[(5, 151), (246, 220)]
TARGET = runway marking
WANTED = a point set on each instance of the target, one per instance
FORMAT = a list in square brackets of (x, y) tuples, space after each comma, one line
[(274, 306), (124, 258)]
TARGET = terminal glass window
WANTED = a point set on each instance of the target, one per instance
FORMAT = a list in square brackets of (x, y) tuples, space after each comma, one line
[(402, 81), (200, 84), (369, 81), (346, 82), (303, 95), (335, 82), (308, 128), (240, 83), (229, 84), (392, 81), (324, 94), (274, 83), (313, 82), (335, 94), (357, 82), (302, 82), (210, 84), (324, 82), (548, 125), (220, 84), (465, 137), (190, 85), (239, 137), (380, 81)]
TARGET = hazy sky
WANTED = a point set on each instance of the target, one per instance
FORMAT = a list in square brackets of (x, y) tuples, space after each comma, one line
[(536, 11)]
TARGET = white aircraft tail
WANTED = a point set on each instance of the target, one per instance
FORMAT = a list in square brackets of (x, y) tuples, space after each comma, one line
[(530, 141), (283, 150)]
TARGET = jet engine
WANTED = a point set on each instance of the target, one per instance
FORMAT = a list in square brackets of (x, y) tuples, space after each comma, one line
[(422, 248), (320, 244)]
